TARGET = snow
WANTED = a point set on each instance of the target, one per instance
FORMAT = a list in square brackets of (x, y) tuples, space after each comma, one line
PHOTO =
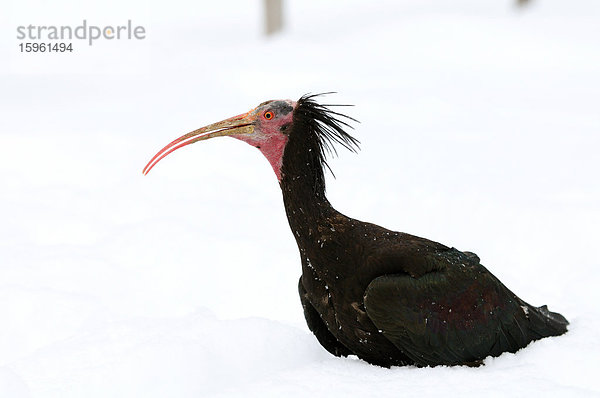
[(479, 128)]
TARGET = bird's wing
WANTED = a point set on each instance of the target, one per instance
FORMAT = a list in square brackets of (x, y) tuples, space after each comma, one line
[(455, 313)]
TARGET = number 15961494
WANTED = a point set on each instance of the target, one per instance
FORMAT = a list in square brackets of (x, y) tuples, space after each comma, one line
[(45, 47)]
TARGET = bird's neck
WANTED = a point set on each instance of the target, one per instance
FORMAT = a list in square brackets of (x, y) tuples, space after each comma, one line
[(303, 188), (303, 199)]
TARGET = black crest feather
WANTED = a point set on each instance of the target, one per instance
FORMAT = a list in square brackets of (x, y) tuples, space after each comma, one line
[(326, 127)]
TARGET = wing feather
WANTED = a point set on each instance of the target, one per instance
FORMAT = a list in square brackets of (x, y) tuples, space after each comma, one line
[(455, 314)]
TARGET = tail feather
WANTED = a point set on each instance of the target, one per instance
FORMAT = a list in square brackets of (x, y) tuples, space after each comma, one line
[(545, 323)]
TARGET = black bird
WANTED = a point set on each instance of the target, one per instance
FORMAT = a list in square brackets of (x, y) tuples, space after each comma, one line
[(388, 297)]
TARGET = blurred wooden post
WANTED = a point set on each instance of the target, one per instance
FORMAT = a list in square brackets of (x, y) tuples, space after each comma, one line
[(522, 3), (273, 16)]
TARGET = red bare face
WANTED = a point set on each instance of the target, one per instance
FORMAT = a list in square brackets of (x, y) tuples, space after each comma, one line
[(271, 128)]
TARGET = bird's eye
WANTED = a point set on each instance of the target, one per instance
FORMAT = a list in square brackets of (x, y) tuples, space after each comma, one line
[(268, 115)]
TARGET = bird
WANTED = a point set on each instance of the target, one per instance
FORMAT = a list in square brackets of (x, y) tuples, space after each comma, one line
[(386, 297)]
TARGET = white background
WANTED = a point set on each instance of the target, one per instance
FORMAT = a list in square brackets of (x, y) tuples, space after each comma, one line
[(480, 128)]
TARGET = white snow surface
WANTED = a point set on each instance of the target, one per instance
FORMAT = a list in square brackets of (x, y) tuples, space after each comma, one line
[(480, 129)]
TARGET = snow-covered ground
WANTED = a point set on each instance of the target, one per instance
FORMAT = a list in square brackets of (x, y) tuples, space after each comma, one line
[(480, 128)]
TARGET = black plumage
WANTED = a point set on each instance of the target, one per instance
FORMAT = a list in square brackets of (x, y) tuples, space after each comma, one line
[(389, 297)]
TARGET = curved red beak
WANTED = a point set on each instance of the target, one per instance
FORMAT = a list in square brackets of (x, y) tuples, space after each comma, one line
[(240, 124)]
